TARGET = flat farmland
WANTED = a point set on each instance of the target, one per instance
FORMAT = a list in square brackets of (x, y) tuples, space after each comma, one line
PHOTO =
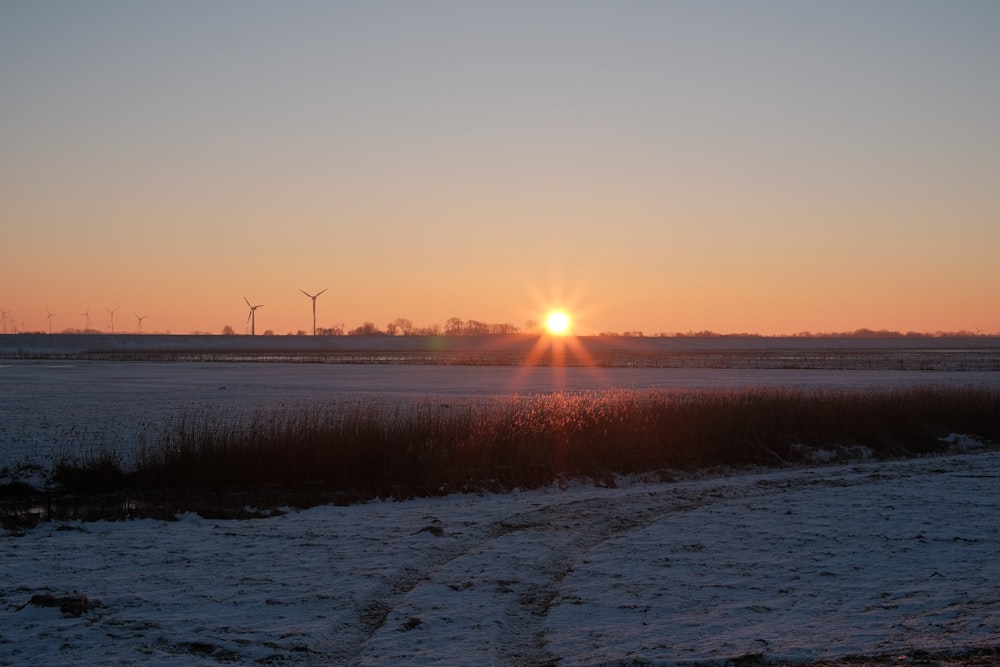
[(958, 353), (863, 562), (63, 394)]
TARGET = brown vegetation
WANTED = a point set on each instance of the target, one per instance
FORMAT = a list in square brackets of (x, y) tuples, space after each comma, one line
[(368, 450)]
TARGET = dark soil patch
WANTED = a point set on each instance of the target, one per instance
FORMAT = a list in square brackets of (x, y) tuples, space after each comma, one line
[(74, 605), (23, 512)]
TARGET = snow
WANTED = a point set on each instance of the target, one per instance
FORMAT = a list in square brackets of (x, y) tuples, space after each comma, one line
[(864, 558), (833, 560), (53, 408)]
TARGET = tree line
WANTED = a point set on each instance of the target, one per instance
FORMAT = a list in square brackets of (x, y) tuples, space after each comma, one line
[(403, 326)]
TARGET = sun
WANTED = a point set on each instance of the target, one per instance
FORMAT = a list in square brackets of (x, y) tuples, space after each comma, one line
[(557, 323)]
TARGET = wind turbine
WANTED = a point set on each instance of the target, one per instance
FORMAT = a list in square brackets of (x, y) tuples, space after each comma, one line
[(252, 317), (313, 297), (4, 318), (49, 318), (111, 311), (86, 315), (140, 318)]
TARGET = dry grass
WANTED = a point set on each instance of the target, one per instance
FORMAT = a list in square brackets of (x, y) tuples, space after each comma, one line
[(368, 450)]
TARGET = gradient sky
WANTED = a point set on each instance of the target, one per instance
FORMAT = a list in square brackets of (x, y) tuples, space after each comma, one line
[(770, 166)]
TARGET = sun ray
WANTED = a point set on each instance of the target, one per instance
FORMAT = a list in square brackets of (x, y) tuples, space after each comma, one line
[(552, 335)]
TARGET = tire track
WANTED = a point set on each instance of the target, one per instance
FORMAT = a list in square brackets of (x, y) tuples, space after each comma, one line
[(510, 568), (514, 590)]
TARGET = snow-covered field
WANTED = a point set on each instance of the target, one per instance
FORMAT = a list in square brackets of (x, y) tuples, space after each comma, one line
[(927, 353), (870, 558), (52, 408)]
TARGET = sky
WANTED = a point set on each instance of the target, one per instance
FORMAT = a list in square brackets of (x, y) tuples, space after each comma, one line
[(771, 167)]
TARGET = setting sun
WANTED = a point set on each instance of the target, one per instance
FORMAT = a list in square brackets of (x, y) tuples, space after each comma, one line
[(557, 323)]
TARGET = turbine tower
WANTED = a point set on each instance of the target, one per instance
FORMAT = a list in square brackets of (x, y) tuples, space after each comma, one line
[(252, 317), (140, 318), (49, 318), (86, 319), (313, 297), (111, 312)]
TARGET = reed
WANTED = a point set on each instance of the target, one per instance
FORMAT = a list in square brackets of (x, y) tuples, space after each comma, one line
[(369, 450)]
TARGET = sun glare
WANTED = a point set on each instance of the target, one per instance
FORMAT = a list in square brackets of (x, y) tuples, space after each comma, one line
[(557, 323)]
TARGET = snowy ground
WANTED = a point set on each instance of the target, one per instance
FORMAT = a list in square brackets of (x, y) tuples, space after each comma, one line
[(55, 408), (869, 558)]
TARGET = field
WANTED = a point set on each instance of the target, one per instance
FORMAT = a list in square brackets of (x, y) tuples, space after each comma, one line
[(926, 353), (842, 552), (71, 394)]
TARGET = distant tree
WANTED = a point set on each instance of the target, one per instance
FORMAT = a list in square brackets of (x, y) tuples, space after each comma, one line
[(503, 328), (869, 333), (404, 326), (366, 329), (476, 328), (268, 332), (532, 326), (454, 326), (391, 328), (228, 331)]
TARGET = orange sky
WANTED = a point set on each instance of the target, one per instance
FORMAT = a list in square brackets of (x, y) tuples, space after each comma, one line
[(651, 166)]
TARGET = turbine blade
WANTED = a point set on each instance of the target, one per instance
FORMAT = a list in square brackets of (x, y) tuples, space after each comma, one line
[(324, 289), (248, 301), (306, 293)]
